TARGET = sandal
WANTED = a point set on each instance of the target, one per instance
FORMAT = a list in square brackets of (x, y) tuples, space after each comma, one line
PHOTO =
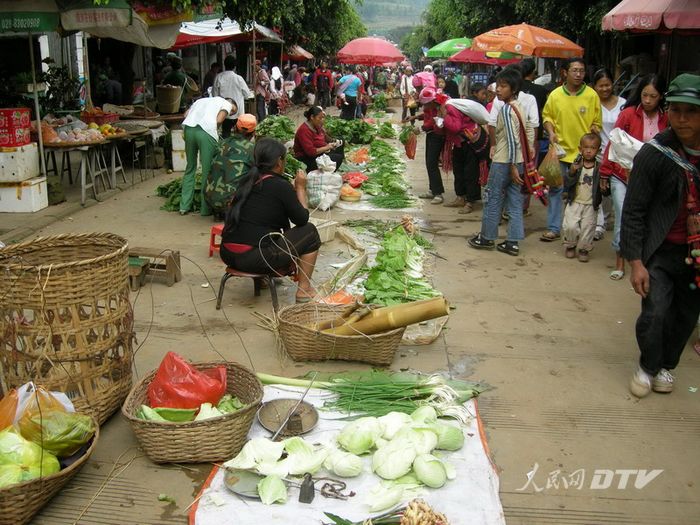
[(467, 208), (549, 236), (617, 275)]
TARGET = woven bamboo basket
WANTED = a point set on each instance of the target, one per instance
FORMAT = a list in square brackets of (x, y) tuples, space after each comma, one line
[(65, 319), (209, 440), (303, 343), (19, 503)]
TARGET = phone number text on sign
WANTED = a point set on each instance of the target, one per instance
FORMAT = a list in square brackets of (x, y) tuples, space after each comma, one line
[(20, 23)]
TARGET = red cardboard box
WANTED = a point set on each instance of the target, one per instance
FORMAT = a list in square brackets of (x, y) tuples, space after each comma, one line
[(14, 137), (15, 118)]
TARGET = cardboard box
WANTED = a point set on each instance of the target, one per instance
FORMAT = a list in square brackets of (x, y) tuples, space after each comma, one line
[(14, 137), (180, 161), (20, 163), (24, 197), (178, 139), (15, 118)]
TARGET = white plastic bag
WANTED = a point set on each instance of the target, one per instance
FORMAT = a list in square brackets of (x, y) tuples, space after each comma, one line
[(623, 148), (474, 110), (323, 184)]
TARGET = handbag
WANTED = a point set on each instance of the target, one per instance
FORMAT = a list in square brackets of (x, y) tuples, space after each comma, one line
[(533, 181)]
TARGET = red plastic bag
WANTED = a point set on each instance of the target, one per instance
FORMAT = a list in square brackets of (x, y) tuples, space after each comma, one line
[(410, 146), (178, 384)]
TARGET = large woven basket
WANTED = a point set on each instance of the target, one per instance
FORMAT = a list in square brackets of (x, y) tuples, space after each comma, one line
[(303, 343), (215, 439), (65, 318), (19, 503)]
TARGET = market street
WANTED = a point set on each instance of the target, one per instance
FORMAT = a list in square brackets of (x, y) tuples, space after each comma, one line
[(554, 338)]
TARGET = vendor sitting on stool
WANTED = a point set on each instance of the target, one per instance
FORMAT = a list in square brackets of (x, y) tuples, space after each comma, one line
[(312, 141), (257, 237)]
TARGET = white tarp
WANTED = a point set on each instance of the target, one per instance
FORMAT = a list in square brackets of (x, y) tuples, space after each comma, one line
[(222, 28), (476, 477)]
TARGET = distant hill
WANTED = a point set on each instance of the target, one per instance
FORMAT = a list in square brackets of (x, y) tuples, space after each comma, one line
[(381, 16)]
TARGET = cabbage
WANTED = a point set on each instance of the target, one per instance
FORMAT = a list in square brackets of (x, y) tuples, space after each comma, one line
[(296, 445), (449, 437), (360, 435), (17, 453), (450, 470), (381, 498), (343, 464), (272, 489), (273, 468), (430, 471), (424, 440), (256, 451), (392, 423), (303, 462), (207, 411), (394, 460), (424, 414)]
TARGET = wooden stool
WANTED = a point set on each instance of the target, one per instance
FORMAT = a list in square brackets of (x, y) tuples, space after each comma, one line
[(258, 279), (138, 268), (161, 263)]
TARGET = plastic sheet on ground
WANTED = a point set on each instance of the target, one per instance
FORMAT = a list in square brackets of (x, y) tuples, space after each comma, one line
[(476, 478)]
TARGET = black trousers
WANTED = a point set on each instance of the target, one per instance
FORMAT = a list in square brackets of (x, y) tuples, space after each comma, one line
[(337, 155), (324, 99), (465, 167), (226, 127), (670, 310), (260, 108), (433, 148), (347, 111)]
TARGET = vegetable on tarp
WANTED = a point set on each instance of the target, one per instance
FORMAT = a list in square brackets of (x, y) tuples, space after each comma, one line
[(360, 436), (394, 459), (272, 489), (343, 464), (449, 437), (430, 471), (276, 126)]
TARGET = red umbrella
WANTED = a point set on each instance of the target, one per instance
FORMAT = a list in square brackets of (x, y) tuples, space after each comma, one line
[(633, 15), (370, 52), (471, 56)]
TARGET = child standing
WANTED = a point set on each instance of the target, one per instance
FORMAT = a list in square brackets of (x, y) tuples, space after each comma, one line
[(584, 197), (505, 175)]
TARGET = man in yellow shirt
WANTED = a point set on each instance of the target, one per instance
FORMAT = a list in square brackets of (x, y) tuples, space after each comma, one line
[(571, 111)]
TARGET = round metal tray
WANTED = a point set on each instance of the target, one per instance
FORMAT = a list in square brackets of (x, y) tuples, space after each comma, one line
[(273, 413)]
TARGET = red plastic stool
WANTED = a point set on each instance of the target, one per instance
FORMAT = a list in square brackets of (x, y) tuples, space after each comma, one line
[(217, 229)]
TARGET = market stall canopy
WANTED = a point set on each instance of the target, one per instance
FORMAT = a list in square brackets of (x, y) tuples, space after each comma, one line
[(297, 53), (651, 15), (212, 31), (369, 51), (471, 56), (525, 39), (449, 47)]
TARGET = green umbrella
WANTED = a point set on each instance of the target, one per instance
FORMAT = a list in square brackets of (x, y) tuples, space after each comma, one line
[(449, 47)]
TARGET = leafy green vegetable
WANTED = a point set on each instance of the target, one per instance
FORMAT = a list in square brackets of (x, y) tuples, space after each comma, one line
[(272, 490), (229, 403), (394, 459), (172, 191), (343, 464), (430, 470), (406, 132), (60, 433), (177, 415), (147, 413), (449, 436), (277, 127), (207, 411), (360, 436), (392, 201), (380, 102), (386, 131), (293, 165), (355, 131)]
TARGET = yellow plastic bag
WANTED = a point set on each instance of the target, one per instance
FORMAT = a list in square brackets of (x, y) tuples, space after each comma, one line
[(550, 169), (46, 422), (8, 409)]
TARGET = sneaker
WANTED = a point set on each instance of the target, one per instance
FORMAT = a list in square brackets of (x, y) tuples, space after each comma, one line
[(570, 252), (480, 243), (438, 199), (640, 384), (457, 203), (426, 195), (663, 382), (583, 255), (184, 212), (509, 247)]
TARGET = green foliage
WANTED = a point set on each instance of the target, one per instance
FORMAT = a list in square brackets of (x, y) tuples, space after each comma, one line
[(172, 191), (63, 90), (355, 131), (277, 127), (379, 102)]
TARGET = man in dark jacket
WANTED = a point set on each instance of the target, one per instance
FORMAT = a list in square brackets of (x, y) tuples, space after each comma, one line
[(323, 85), (663, 193)]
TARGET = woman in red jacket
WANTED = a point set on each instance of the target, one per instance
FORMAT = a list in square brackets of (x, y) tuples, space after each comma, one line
[(311, 141), (642, 118)]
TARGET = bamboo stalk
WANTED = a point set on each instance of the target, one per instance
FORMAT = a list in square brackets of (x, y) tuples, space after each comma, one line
[(337, 321)]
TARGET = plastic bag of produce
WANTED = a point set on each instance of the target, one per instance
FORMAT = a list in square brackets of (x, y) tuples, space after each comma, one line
[(550, 169), (177, 384), (21, 460), (59, 432), (8, 409)]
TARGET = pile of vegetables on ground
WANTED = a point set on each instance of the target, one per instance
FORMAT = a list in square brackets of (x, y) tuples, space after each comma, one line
[(40, 434), (356, 131), (406, 451), (172, 192), (180, 393), (277, 127)]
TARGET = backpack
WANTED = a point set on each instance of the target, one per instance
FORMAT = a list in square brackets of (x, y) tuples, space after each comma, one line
[(322, 82)]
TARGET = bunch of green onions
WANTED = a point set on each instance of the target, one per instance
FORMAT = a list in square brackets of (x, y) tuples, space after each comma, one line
[(376, 393)]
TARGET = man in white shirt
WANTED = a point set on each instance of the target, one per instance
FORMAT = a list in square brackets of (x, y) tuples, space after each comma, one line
[(228, 84), (531, 116), (202, 139), (409, 95)]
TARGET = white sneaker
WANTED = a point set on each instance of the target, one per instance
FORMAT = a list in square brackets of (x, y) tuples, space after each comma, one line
[(640, 384), (663, 381), (437, 199)]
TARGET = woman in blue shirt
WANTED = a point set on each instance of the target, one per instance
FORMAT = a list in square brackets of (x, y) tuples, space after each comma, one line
[(349, 85)]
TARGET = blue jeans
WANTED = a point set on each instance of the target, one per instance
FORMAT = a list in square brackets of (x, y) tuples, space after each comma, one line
[(500, 187), (555, 202), (618, 190)]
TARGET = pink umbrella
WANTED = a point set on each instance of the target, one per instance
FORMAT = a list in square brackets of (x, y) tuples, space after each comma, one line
[(633, 15), (369, 51)]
